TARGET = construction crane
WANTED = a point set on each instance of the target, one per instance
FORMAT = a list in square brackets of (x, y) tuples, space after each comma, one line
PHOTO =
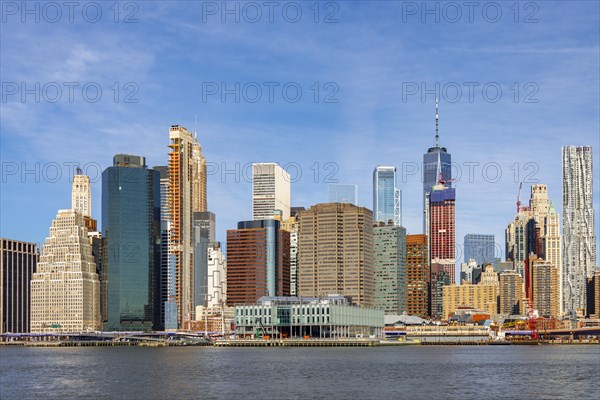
[(519, 198)]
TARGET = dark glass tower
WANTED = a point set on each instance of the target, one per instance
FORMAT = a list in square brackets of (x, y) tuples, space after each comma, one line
[(435, 160), (131, 226)]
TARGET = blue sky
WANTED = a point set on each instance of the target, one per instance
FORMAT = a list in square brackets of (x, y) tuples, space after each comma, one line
[(376, 61)]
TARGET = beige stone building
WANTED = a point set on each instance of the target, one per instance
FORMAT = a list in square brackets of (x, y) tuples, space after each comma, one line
[(335, 252), (65, 290), (483, 297), (511, 293)]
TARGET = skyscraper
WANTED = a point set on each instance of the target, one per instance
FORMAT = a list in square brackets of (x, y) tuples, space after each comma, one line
[(270, 191), (168, 294), (342, 193), (291, 225), (544, 288), (81, 195), (479, 247), (579, 238), (131, 227), (17, 264), (437, 164), (335, 252), (186, 195), (442, 228), (65, 290), (511, 293), (389, 242), (386, 196), (417, 275), (258, 261), (204, 234)]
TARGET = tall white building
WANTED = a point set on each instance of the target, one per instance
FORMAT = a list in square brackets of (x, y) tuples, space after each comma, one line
[(579, 239), (65, 290), (217, 276), (270, 191), (81, 195)]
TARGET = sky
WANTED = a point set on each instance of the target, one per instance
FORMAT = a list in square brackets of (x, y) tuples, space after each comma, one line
[(329, 90)]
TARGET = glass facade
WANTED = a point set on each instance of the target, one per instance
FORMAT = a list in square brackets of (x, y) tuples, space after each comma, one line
[(480, 248), (386, 197), (430, 170), (131, 226), (341, 193)]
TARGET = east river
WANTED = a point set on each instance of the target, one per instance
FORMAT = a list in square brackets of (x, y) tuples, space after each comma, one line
[(410, 372)]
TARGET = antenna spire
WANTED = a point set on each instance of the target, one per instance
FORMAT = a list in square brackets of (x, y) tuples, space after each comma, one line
[(437, 135)]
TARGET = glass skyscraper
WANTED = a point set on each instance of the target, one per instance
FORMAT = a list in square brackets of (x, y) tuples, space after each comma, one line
[(131, 226), (479, 247), (341, 193), (436, 160), (386, 197)]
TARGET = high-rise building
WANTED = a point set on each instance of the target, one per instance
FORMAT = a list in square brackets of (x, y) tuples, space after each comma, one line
[(489, 276), (168, 293), (131, 228), (579, 238), (217, 276), (258, 261), (593, 295), (335, 252), (479, 247), (386, 196), (545, 288), (439, 278), (291, 225), (511, 293), (81, 195), (204, 234), (17, 264), (417, 275), (65, 290), (270, 191), (186, 195), (437, 164), (100, 254), (441, 228), (343, 193), (389, 242), (468, 271)]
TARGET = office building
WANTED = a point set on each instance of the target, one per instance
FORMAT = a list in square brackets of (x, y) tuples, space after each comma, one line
[(131, 228), (441, 228), (480, 296), (204, 234), (417, 276), (593, 295), (81, 194), (343, 193), (437, 165), (389, 242), (579, 237), (270, 191), (258, 261), (335, 252), (479, 247), (331, 317), (291, 225), (65, 290), (18, 262), (100, 254), (470, 272), (439, 278), (186, 195), (386, 196), (168, 293)]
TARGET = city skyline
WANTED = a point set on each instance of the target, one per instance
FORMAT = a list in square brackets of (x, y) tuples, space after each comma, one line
[(374, 121)]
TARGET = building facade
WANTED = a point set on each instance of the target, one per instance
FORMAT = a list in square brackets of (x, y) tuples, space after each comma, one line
[(18, 262), (579, 237), (442, 228), (483, 297), (343, 193), (292, 317), (258, 261), (65, 290), (131, 228), (186, 195), (386, 196), (417, 275), (270, 191), (335, 252), (204, 234), (479, 247), (593, 295), (511, 293), (389, 242), (545, 288)]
